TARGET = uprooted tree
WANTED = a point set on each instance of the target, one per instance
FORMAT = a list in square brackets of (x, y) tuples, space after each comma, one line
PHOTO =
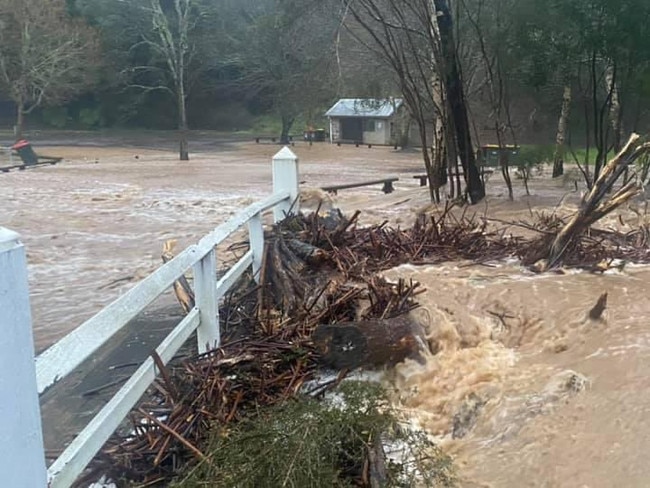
[(600, 200)]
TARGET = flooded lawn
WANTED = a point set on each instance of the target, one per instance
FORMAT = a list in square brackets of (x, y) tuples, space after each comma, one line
[(95, 224)]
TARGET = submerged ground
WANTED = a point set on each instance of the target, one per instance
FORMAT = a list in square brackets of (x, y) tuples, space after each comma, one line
[(534, 392)]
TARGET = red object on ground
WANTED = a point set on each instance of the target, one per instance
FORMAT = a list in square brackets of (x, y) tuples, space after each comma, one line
[(20, 144)]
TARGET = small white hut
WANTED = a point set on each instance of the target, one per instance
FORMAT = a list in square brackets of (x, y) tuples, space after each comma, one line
[(365, 120)]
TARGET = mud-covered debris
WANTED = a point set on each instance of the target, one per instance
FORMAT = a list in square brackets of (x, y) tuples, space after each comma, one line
[(597, 311), (467, 416)]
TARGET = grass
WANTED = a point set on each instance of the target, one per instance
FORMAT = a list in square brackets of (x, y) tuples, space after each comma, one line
[(272, 125), (307, 443), (581, 154), (530, 154)]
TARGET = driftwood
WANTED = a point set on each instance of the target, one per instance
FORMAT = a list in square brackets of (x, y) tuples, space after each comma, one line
[(369, 343), (320, 300), (597, 311), (598, 203), (182, 288), (377, 473)]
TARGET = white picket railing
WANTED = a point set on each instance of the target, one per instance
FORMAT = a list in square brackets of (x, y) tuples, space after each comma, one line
[(22, 461)]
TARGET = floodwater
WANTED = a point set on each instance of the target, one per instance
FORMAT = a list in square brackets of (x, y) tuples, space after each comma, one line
[(94, 225), (536, 393), (524, 388)]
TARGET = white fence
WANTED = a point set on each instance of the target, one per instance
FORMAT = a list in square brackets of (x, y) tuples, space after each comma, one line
[(22, 460)]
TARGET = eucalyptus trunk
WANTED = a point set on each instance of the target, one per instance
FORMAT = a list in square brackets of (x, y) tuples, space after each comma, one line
[(560, 138), (183, 154), (457, 104), (20, 120), (615, 105)]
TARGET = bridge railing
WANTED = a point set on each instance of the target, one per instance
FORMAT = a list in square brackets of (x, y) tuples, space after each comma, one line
[(22, 461)]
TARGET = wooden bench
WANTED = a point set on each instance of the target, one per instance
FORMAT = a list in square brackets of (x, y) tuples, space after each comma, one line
[(387, 185), (356, 143), (20, 167), (274, 139), (265, 138), (424, 178)]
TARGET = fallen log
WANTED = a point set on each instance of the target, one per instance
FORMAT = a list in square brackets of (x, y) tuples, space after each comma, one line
[(370, 343)]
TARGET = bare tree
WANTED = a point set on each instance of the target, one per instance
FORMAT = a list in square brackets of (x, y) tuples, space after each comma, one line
[(172, 50), (284, 54), (46, 56), (494, 60), (160, 45), (415, 39)]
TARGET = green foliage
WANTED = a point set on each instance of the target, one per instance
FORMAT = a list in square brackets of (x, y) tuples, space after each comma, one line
[(533, 155), (583, 156), (90, 117), (283, 53), (56, 117), (291, 59), (310, 444)]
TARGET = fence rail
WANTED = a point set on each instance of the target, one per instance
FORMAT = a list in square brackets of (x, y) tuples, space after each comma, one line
[(64, 356)]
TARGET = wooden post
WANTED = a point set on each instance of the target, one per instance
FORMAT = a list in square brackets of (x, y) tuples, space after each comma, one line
[(22, 458), (285, 178), (256, 238), (205, 291)]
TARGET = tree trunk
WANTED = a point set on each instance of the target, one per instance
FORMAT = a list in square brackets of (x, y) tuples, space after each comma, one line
[(432, 176), (183, 154), (20, 120), (287, 123), (183, 146), (439, 146), (371, 343), (438, 152), (615, 105), (457, 103), (560, 139), (505, 171), (598, 203)]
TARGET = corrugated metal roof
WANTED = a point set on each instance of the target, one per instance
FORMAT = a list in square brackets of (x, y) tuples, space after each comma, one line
[(364, 107)]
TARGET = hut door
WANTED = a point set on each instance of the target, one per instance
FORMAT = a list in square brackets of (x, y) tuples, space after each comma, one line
[(352, 129)]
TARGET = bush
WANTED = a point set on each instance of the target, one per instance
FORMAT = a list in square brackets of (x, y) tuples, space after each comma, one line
[(533, 155), (90, 118), (310, 444)]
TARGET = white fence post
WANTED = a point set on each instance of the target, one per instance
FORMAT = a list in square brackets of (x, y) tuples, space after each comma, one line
[(256, 239), (285, 178), (22, 457), (205, 290)]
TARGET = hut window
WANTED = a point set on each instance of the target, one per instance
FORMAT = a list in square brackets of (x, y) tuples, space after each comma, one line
[(370, 125)]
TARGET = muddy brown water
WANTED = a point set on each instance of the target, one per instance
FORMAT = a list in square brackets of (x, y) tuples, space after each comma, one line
[(95, 224), (525, 390)]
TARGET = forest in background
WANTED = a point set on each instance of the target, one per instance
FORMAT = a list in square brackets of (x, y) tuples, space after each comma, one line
[(477, 71)]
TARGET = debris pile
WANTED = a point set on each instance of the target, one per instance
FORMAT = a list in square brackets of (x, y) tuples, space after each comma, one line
[(320, 299)]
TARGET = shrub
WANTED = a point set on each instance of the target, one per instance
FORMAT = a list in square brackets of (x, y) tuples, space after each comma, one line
[(307, 443)]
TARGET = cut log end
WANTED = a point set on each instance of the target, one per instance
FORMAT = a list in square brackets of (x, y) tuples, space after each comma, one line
[(373, 343)]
